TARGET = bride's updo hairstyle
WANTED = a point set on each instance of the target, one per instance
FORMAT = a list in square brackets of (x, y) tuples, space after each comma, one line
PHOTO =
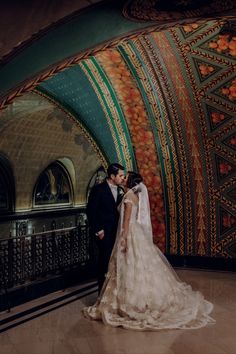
[(133, 179)]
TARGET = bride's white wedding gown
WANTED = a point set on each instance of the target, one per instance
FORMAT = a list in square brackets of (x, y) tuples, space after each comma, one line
[(142, 291)]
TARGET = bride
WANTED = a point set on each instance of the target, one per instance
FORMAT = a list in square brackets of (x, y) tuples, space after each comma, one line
[(141, 290)]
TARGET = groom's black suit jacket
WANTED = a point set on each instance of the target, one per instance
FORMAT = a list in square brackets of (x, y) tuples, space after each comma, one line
[(102, 211)]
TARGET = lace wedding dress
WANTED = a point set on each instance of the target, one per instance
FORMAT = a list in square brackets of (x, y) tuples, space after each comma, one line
[(142, 291)]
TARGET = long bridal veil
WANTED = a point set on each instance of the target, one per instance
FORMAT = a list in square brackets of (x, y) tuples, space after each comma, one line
[(142, 291), (144, 219)]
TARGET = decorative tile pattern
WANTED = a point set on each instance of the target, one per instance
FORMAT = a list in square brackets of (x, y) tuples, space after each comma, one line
[(151, 10), (141, 133), (158, 116), (72, 89), (111, 108), (173, 95), (214, 101)]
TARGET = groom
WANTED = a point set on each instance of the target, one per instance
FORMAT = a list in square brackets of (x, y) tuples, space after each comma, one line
[(103, 216)]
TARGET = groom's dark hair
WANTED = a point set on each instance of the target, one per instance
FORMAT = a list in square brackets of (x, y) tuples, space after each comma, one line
[(113, 169), (133, 179)]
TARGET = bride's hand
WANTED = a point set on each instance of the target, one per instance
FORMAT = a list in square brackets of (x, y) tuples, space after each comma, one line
[(123, 244)]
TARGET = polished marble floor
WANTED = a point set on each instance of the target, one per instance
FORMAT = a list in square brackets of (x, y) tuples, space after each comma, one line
[(65, 331)]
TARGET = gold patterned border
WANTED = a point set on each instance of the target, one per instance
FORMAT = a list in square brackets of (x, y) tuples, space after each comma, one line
[(30, 83), (161, 10), (122, 143)]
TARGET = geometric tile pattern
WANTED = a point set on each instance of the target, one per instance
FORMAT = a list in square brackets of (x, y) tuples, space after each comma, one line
[(224, 168), (217, 117), (230, 141), (214, 100), (205, 69), (133, 107), (227, 223)]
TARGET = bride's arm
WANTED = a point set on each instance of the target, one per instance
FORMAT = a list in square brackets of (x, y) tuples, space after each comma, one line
[(127, 215), (125, 226)]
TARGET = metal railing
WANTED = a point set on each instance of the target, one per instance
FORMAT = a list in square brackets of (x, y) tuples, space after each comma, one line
[(27, 258)]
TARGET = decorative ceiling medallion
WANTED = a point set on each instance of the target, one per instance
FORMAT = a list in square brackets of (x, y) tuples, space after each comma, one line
[(160, 10)]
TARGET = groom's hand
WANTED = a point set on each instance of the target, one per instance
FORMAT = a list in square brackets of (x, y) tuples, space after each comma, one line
[(100, 234)]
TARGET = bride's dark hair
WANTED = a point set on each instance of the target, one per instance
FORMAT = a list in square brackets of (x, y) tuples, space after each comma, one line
[(133, 179)]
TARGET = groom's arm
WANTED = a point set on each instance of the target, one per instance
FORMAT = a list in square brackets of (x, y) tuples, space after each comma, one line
[(93, 210)]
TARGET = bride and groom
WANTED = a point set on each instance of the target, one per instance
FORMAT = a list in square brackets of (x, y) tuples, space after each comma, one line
[(140, 289)]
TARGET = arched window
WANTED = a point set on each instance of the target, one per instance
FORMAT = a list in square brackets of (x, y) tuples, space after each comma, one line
[(53, 186), (98, 177), (7, 186), (4, 201)]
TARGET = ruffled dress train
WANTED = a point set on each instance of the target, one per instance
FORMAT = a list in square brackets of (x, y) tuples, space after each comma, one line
[(143, 292)]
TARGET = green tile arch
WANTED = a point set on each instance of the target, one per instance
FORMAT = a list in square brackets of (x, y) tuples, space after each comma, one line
[(109, 113), (73, 91)]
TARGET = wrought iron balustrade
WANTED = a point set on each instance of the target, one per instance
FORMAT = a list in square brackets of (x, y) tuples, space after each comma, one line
[(27, 258)]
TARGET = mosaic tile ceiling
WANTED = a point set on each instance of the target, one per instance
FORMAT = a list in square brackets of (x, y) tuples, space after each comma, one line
[(162, 102), (170, 95)]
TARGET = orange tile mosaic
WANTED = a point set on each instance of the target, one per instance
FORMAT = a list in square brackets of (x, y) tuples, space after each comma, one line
[(141, 133)]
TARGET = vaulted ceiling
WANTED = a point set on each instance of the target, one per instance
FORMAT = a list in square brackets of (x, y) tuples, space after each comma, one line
[(156, 94)]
